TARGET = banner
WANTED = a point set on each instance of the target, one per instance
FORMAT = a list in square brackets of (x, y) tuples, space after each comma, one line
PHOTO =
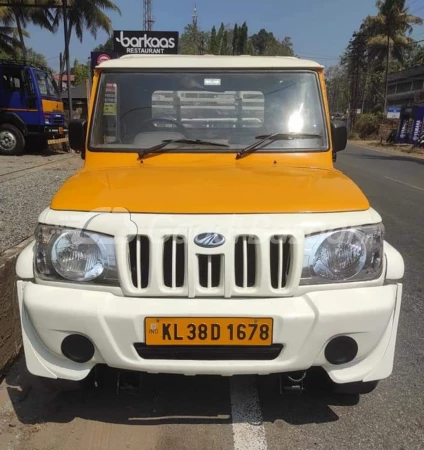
[(417, 126), (145, 42)]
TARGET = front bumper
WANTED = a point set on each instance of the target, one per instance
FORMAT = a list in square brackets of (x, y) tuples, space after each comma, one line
[(303, 325), (55, 131)]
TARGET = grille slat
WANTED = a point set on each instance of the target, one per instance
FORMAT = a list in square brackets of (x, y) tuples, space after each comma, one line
[(280, 250), (174, 262), (210, 270), (245, 261), (139, 259)]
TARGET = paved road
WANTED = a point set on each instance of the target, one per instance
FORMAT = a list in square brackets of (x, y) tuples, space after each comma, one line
[(217, 413)]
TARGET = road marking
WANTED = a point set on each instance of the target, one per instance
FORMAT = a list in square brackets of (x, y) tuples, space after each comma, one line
[(406, 184), (248, 429)]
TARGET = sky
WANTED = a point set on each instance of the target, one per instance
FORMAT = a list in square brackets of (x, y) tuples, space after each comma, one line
[(320, 29)]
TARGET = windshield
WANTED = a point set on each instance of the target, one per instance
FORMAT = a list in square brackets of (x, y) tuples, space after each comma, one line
[(46, 84), (135, 111)]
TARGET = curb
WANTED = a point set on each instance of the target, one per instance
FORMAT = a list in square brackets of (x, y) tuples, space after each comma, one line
[(10, 322)]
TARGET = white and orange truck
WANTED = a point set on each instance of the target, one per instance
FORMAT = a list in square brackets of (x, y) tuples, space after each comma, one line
[(209, 232)]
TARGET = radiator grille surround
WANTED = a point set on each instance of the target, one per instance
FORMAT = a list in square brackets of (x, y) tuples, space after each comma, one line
[(165, 264)]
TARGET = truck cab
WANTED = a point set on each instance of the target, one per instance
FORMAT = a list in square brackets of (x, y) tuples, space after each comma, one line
[(210, 233), (31, 109)]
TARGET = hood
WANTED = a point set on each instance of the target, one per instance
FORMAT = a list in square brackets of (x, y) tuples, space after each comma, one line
[(210, 190)]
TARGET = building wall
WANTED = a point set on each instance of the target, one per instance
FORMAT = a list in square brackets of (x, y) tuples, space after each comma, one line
[(406, 88)]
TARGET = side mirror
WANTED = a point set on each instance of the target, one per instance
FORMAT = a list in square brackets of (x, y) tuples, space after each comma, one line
[(78, 135), (338, 135)]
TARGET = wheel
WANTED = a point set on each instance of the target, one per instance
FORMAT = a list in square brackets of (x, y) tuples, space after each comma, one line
[(358, 388), (12, 141)]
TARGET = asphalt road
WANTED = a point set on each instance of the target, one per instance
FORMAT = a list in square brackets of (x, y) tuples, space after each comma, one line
[(173, 412)]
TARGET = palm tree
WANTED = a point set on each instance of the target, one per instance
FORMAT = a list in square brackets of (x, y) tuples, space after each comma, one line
[(85, 15), (21, 17), (8, 41), (389, 31)]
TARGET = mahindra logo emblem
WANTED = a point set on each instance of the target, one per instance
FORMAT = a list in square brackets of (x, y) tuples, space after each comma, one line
[(209, 240)]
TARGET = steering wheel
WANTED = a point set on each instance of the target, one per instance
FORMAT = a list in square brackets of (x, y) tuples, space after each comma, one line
[(149, 123)]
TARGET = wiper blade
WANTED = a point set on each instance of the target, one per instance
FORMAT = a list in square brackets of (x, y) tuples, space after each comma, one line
[(270, 138), (154, 149)]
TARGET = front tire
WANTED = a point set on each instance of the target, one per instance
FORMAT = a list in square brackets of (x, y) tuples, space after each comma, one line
[(12, 141)]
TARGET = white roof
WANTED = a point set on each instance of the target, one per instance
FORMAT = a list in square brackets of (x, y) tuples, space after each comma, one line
[(208, 62)]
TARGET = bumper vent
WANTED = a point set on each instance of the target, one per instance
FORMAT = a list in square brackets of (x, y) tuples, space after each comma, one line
[(139, 255), (209, 353)]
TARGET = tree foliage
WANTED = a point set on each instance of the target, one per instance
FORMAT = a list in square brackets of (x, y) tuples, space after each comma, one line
[(81, 72), (381, 45), (106, 47), (266, 44), (233, 40), (20, 18), (213, 43)]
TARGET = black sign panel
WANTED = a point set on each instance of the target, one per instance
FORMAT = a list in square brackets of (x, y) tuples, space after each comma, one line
[(145, 42)]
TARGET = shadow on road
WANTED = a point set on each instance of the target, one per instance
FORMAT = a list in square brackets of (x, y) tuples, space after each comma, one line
[(162, 399)]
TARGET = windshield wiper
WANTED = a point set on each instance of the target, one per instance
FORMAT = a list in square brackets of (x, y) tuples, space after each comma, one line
[(154, 149), (273, 138)]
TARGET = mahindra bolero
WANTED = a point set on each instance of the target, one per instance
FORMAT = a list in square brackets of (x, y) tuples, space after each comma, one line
[(209, 232)]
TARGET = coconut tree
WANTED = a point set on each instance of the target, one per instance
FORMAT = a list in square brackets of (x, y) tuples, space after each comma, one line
[(16, 15), (389, 32), (85, 15), (8, 42)]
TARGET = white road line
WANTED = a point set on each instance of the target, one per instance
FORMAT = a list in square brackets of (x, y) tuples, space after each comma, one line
[(248, 429), (406, 184)]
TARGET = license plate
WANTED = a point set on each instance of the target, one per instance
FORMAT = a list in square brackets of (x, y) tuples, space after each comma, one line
[(208, 331)]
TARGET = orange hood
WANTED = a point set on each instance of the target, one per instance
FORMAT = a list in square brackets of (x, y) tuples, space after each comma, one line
[(210, 190)]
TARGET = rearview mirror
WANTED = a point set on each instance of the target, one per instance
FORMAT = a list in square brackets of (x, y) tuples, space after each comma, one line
[(338, 135), (78, 135)]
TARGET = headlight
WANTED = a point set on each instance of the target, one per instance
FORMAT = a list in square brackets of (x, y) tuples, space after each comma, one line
[(354, 254), (75, 255)]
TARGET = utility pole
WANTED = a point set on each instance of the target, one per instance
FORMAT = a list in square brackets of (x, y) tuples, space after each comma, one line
[(148, 19), (67, 57)]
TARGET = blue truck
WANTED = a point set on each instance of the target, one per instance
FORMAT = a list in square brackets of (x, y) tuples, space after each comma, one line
[(31, 108)]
